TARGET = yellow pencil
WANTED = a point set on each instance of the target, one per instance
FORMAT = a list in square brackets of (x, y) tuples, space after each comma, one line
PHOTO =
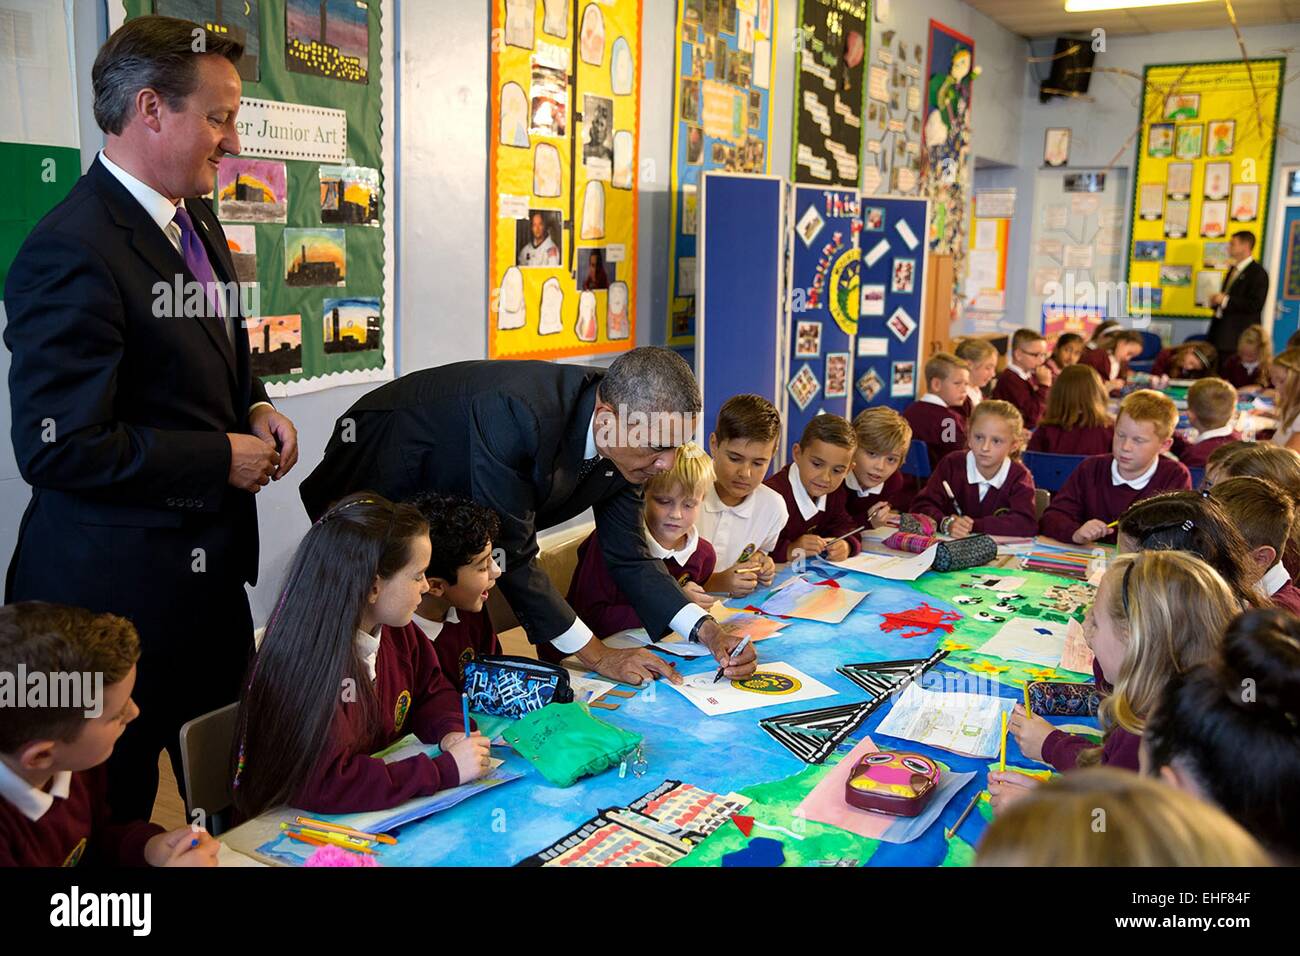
[(1002, 760), (1027, 710), (338, 828)]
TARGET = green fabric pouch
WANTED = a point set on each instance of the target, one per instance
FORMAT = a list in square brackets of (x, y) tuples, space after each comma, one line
[(566, 743)]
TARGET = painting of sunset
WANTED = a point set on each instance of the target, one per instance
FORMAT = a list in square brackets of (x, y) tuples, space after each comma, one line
[(315, 257), (251, 190), (328, 38)]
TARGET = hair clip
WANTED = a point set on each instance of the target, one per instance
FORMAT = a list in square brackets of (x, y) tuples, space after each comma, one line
[(1188, 525)]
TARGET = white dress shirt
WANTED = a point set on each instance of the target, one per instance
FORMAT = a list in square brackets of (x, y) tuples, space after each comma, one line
[(28, 800), (852, 481), (974, 477), (1138, 483), (974, 394), (681, 555), (367, 648), (433, 628), (934, 399), (1018, 370), (1214, 433), (803, 501), (1275, 579), (756, 521)]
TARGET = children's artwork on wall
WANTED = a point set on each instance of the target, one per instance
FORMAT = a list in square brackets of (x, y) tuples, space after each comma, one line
[(1151, 202), (804, 386), (1208, 282), (904, 275), (329, 38), (869, 385), (315, 257), (1220, 119), (242, 243), (895, 111), (837, 374), (515, 114), (1056, 147), (808, 340), (947, 141), (251, 190), (1149, 251), (349, 195), (904, 380), (275, 344), (351, 325), (239, 20), (829, 97), (576, 185)]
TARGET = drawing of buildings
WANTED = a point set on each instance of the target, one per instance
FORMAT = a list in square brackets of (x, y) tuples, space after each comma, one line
[(306, 272)]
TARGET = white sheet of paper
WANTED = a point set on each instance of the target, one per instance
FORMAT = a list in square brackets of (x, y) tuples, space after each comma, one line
[(762, 64), (895, 567), (906, 232), (1028, 639), (227, 856), (587, 688), (788, 685), (637, 637), (878, 250), (963, 723)]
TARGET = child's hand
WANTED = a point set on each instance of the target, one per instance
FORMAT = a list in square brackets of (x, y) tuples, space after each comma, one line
[(837, 551), (767, 571), (188, 846), (1006, 788), (810, 544), (471, 755), (1091, 530), (739, 580), (698, 596), (1115, 385), (451, 740), (1043, 374), (880, 514), (1030, 731), (961, 526), (1248, 390)]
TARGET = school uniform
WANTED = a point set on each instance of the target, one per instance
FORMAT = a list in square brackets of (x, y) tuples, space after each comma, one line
[(942, 427), (66, 823), (826, 516), (973, 397), (1022, 390), (859, 501), (459, 638), (1107, 366), (756, 522), (1119, 748), (1097, 490), (1196, 454), (414, 697), (1055, 369), (1240, 374), (1164, 365), (607, 610), (1058, 440), (1003, 504), (1276, 582)]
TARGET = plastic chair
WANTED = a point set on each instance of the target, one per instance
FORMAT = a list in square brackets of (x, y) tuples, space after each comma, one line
[(206, 743), (917, 462), (1198, 337), (1050, 471), (1042, 499), (1151, 346), (1198, 476)]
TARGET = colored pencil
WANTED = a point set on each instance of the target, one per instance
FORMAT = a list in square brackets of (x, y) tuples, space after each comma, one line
[(464, 711), (339, 828), (1002, 759), (948, 488), (964, 814)]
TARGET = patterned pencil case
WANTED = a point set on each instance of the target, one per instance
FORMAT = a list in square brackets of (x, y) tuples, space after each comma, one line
[(1049, 698), (917, 524), (962, 553), (507, 686)]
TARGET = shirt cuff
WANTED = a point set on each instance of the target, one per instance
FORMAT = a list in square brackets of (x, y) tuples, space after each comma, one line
[(258, 405), (574, 639), (685, 619)]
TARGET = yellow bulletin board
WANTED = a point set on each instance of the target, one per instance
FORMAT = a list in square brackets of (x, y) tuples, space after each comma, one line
[(1204, 168), (563, 166)]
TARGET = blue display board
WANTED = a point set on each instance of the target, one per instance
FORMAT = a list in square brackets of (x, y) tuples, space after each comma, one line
[(891, 281), (741, 290), (1287, 278), (823, 305)]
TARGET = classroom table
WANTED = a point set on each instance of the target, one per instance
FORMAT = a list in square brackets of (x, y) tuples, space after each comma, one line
[(727, 753)]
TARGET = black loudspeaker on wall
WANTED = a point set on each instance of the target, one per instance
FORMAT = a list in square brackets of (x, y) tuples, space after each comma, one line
[(1071, 69)]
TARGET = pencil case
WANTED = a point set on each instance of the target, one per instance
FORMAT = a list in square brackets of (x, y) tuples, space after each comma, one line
[(892, 781), (917, 524), (962, 553), (506, 686), (1049, 698)]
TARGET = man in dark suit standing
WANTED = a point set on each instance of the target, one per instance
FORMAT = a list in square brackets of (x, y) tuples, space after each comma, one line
[(1239, 304), (539, 443), (136, 419)]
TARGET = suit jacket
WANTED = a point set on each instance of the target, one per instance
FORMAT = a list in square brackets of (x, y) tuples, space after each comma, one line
[(512, 436), (140, 404), (1245, 303)]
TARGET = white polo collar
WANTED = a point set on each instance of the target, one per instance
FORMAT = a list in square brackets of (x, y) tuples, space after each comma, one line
[(715, 505), (974, 394), (1275, 578), (1018, 370), (1215, 433), (367, 649), (591, 439), (682, 555), (1250, 366), (934, 399), (1138, 483), (852, 481), (433, 628), (974, 477), (160, 209), (28, 800), (806, 505)]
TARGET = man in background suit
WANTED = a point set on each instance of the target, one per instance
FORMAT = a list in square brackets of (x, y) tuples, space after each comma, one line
[(1239, 304), (136, 419), (540, 443)]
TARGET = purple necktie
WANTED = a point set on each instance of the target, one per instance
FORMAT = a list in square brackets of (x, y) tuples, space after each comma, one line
[(196, 260)]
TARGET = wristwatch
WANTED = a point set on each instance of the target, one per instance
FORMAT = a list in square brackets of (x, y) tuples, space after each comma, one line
[(694, 637)]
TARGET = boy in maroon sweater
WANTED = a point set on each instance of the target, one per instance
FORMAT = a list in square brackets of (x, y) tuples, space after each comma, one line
[(672, 504), (53, 783), (936, 417), (1211, 407), (990, 493), (875, 487), (462, 571), (1264, 514), (1025, 381), (814, 493), (1104, 486)]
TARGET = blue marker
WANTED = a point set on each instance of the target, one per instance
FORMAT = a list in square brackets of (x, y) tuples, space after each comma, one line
[(464, 710)]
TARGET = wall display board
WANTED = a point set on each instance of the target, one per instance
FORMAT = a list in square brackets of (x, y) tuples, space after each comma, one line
[(565, 136), (829, 92), (946, 156), (722, 116), (1204, 169), (891, 159)]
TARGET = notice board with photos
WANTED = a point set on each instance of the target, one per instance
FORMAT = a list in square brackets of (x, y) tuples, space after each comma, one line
[(565, 99), (722, 118), (304, 205), (1204, 168), (829, 92), (891, 160)]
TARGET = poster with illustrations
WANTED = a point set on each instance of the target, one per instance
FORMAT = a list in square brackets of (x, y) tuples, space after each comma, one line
[(829, 94), (565, 100), (946, 138), (895, 112)]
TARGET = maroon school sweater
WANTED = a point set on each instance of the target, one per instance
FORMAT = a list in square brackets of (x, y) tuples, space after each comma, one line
[(414, 697), (596, 599), (1008, 510), (931, 422), (1028, 396), (1099, 359), (831, 523), (1164, 365), (471, 635), (1089, 493), (1287, 597), (1198, 453), (76, 829), (1093, 440), (895, 488), (1235, 372), (1119, 749)]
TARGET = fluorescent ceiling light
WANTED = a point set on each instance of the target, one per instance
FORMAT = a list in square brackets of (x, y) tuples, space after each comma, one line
[(1093, 6)]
